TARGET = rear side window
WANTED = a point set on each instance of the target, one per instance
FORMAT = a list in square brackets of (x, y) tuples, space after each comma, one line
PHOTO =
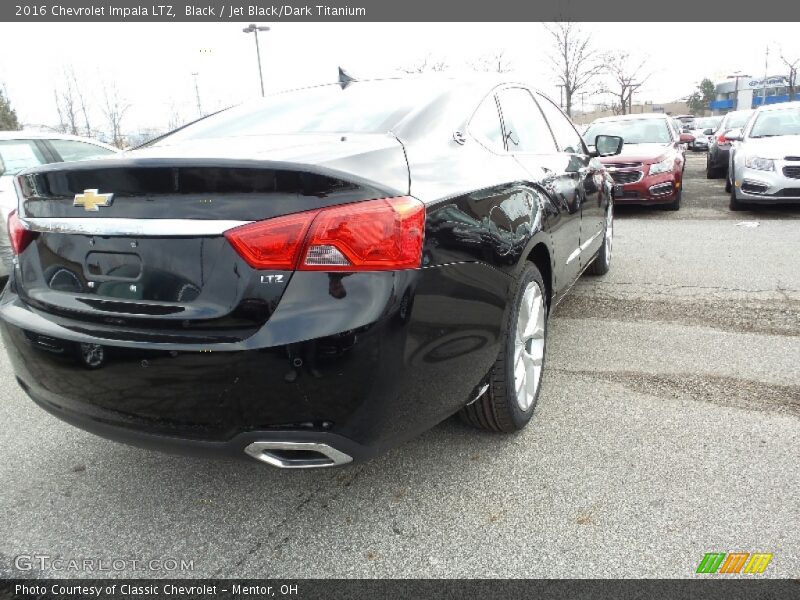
[(485, 125), (567, 137), (19, 155), (524, 126), (75, 150)]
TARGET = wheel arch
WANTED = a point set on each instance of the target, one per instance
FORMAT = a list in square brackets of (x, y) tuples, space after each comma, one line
[(540, 256)]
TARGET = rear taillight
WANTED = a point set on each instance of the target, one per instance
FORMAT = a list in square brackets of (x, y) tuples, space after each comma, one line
[(378, 235), (272, 244), (375, 235), (18, 234), (721, 139)]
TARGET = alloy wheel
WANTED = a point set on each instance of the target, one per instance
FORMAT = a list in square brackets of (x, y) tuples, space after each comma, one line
[(529, 345)]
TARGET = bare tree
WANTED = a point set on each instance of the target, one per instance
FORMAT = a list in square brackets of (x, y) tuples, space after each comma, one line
[(114, 110), (626, 75), (792, 66), (66, 105), (428, 64), (575, 62), (495, 62), (82, 103), (175, 118)]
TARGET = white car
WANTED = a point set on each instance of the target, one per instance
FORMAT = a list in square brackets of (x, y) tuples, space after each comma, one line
[(765, 161), (20, 150)]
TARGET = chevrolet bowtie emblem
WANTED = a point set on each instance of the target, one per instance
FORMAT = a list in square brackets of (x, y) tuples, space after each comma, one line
[(90, 200)]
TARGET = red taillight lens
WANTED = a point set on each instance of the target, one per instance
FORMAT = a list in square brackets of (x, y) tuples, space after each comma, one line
[(379, 235), (19, 236), (721, 139), (274, 243), (375, 235)]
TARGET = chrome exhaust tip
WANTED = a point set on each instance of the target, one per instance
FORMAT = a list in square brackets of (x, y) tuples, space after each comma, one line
[(297, 455)]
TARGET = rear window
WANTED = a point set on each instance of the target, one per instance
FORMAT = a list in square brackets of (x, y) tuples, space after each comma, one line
[(632, 131), (737, 119), (373, 107), (19, 155), (70, 150), (707, 123)]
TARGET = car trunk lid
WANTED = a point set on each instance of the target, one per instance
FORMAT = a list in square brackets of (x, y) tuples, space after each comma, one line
[(137, 242)]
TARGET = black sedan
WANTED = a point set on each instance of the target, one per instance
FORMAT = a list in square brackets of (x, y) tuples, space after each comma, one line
[(310, 279)]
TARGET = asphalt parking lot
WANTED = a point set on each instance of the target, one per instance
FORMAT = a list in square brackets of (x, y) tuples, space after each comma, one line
[(668, 427)]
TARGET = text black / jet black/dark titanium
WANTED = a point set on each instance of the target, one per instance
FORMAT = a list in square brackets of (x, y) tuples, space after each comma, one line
[(310, 279)]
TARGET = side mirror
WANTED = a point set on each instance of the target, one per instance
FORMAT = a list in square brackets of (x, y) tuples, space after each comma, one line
[(735, 135), (2, 167), (607, 145), (686, 138), (708, 131)]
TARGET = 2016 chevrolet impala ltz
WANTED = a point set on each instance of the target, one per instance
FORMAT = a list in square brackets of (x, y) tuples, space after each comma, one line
[(310, 279)]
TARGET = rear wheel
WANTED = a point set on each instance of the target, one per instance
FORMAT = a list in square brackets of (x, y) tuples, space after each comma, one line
[(727, 184), (602, 262), (515, 378)]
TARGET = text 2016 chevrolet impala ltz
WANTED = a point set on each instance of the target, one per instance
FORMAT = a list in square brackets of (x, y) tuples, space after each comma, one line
[(310, 279)]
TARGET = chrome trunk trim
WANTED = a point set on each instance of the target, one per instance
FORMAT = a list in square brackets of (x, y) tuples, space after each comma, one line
[(132, 227)]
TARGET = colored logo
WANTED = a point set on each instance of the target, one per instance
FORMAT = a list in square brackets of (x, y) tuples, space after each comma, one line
[(734, 562), (90, 200)]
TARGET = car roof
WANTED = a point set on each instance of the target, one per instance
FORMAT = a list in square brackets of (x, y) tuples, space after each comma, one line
[(779, 106), (633, 117), (739, 112)]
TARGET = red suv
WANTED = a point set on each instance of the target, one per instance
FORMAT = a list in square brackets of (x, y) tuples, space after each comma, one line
[(650, 166)]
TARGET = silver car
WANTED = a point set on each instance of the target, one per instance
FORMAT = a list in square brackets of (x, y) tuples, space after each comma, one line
[(765, 161), (20, 150)]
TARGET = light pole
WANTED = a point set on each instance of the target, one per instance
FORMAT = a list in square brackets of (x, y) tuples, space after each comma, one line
[(633, 87), (197, 94), (736, 75), (252, 28)]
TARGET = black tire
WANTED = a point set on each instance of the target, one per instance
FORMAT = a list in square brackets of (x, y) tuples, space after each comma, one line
[(602, 262), (675, 204), (727, 185), (734, 203), (497, 409), (711, 172)]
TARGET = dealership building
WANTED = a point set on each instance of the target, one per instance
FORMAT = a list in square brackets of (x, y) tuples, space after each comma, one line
[(749, 93)]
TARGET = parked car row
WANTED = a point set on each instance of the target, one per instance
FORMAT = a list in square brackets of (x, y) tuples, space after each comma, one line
[(757, 151)]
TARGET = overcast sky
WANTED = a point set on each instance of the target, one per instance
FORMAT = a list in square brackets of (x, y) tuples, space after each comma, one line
[(152, 64)]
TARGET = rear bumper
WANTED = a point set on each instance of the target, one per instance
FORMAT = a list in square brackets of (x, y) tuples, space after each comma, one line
[(718, 157), (234, 447), (386, 357)]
